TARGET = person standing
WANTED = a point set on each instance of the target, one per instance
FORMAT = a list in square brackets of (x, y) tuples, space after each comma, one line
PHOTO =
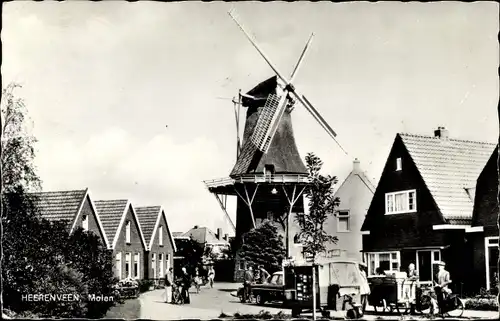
[(264, 275), (169, 279), (411, 286), (443, 280), (365, 287), (211, 276), (249, 279), (186, 284)]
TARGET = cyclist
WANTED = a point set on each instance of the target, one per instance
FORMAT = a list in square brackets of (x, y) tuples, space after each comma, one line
[(443, 280)]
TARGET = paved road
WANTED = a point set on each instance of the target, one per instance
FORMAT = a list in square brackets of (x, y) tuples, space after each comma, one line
[(209, 303)]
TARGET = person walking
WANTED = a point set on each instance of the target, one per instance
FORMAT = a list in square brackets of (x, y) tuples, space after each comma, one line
[(197, 280), (169, 279), (211, 276)]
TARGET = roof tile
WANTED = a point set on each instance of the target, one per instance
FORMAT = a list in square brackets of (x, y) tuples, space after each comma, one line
[(449, 167), (110, 213), (59, 205), (147, 215)]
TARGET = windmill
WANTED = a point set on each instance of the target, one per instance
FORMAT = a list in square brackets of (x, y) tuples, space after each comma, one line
[(269, 176)]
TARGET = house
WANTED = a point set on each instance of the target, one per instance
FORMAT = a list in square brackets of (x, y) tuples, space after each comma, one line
[(75, 206), (217, 244), (160, 244), (423, 205), (483, 235), (125, 237), (355, 194)]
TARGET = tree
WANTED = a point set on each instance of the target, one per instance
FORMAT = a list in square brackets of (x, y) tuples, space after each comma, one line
[(18, 153), (322, 204), (263, 246), (39, 256), (191, 253)]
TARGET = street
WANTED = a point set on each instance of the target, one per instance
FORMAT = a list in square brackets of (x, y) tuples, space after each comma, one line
[(210, 303)]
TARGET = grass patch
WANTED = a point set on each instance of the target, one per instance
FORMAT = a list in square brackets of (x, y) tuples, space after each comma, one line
[(128, 310)]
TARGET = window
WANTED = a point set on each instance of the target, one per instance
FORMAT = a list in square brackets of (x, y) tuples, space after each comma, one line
[(118, 265), (127, 232), (153, 265), (343, 221), (491, 258), (399, 164), (401, 202), (161, 271), (269, 170), (85, 222), (136, 265), (168, 262), (128, 263), (385, 261), (296, 239), (241, 265), (160, 236)]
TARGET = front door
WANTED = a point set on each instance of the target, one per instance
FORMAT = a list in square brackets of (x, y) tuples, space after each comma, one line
[(426, 264)]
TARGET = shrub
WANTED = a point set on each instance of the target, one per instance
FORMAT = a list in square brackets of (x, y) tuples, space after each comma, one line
[(484, 304), (145, 285)]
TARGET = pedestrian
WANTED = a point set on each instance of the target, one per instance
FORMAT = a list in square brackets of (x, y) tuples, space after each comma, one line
[(169, 279), (186, 284), (211, 276), (365, 287), (264, 275), (197, 280), (249, 279), (410, 287)]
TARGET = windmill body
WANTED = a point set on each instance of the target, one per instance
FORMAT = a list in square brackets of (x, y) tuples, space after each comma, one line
[(269, 176)]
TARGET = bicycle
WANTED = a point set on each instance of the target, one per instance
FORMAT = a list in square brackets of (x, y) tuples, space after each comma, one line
[(177, 297), (451, 305)]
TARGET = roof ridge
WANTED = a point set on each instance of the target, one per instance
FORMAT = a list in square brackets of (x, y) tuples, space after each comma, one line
[(59, 191), (112, 200), (449, 139)]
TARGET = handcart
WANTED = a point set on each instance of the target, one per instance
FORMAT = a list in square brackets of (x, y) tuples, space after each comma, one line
[(338, 284), (392, 291)]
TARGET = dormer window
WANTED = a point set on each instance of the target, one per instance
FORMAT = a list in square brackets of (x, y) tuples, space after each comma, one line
[(399, 164), (127, 232), (85, 222)]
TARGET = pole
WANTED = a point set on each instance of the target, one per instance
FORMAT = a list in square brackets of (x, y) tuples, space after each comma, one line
[(314, 290)]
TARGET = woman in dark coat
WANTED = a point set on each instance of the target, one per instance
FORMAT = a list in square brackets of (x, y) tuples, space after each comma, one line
[(186, 284)]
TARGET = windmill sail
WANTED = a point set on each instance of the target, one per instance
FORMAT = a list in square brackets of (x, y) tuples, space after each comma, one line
[(261, 136)]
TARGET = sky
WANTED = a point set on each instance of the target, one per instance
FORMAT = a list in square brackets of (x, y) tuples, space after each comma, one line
[(125, 97)]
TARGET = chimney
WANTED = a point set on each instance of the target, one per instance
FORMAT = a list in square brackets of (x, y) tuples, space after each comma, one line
[(441, 132), (226, 237), (219, 234), (355, 166)]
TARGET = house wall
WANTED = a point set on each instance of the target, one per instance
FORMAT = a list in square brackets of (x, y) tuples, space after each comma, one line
[(408, 229), (135, 245), (167, 249), (355, 197), (93, 226), (485, 214)]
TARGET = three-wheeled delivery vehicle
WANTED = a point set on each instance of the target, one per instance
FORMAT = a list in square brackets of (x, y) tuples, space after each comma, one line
[(338, 285)]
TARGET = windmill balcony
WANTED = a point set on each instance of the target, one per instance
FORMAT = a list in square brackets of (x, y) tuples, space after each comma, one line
[(259, 179)]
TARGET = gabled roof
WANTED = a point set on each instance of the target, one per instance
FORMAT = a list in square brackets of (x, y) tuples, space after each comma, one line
[(66, 205), (449, 167), (113, 213), (203, 235), (149, 217)]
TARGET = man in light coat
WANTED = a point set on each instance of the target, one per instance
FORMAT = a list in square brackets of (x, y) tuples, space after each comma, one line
[(169, 279)]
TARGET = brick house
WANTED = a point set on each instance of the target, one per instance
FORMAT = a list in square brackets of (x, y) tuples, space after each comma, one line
[(483, 236), (423, 205), (160, 244), (125, 237), (355, 194), (75, 206), (216, 242)]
